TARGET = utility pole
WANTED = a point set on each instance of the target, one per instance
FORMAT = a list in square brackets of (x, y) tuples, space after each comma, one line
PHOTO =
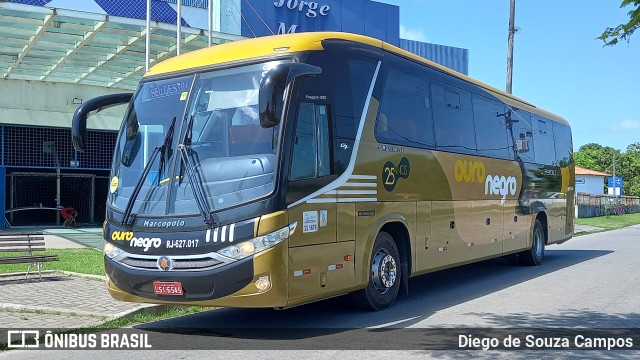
[(512, 31), (615, 193)]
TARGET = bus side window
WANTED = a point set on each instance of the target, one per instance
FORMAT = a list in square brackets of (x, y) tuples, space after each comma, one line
[(453, 120), (523, 134), (311, 150), (563, 144), (491, 129), (543, 138), (405, 111)]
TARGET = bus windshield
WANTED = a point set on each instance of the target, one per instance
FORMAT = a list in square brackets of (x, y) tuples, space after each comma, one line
[(216, 149)]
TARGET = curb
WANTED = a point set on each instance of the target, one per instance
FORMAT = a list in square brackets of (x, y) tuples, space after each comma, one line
[(148, 309)]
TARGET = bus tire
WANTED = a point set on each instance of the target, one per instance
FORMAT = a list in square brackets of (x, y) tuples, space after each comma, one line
[(535, 255), (384, 277)]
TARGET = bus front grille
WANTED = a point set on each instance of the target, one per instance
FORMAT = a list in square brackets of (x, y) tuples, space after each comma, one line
[(191, 264)]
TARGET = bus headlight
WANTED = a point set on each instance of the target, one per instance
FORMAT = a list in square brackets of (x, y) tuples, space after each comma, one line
[(112, 251), (258, 244)]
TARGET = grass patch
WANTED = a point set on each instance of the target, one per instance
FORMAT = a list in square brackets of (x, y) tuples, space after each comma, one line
[(84, 261), (141, 318), (612, 222)]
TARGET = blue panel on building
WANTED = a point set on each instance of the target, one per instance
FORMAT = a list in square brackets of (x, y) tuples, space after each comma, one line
[(393, 25), (378, 20), (451, 57), (137, 9), (375, 20), (32, 2), (365, 17), (352, 17)]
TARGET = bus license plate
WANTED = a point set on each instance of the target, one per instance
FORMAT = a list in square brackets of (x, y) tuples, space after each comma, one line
[(167, 288)]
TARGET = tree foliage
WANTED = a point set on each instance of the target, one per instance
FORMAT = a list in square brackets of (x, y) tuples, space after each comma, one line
[(600, 158), (611, 36)]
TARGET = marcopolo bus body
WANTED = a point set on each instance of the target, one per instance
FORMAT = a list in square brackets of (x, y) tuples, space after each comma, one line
[(282, 170)]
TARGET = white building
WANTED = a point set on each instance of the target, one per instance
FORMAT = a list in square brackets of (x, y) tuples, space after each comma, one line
[(590, 181)]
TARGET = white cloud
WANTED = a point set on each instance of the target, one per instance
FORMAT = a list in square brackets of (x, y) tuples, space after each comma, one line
[(627, 125), (412, 34)]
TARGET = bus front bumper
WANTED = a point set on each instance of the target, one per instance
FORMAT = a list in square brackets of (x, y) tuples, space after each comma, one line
[(233, 285)]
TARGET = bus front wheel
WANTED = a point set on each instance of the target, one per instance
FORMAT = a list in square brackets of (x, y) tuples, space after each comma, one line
[(535, 254), (384, 276)]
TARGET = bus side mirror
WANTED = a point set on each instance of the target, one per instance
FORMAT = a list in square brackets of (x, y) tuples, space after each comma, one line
[(88, 108), (272, 89)]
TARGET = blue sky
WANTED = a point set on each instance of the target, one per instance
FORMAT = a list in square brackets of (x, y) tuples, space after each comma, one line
[(558, 64)]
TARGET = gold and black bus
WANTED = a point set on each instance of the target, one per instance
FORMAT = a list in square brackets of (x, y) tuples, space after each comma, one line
[(277, 171)]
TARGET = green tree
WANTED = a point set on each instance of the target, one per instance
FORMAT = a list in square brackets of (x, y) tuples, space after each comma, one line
[(611, 36), (596, 157)]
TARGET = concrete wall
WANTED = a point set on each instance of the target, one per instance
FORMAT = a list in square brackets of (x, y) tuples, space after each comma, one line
[(587, 211), (50, 104), (592, 184)]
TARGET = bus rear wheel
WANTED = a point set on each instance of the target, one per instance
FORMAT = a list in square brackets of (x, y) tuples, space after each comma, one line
[(535, 255), (384, 277)]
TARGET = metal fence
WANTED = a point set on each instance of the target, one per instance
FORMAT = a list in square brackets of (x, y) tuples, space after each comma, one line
[(33, 197), (49, 147)]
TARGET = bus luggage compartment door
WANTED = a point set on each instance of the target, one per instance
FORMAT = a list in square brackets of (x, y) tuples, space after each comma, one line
[(319, 271)]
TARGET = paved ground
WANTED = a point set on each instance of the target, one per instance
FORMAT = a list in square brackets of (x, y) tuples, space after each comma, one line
[(586, 229), (59, 300)]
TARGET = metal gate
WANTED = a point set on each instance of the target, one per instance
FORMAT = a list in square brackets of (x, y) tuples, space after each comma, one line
[(35, 198)]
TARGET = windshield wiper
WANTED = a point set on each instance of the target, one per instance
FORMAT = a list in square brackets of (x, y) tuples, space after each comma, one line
[(199, 192), (128, 218), (166, 150)]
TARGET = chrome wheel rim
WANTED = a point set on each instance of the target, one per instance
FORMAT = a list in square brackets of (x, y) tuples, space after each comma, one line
[(383, 271)]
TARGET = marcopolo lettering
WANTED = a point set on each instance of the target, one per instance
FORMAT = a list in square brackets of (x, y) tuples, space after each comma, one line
[(313, 9), (145, 243), (163, 224)]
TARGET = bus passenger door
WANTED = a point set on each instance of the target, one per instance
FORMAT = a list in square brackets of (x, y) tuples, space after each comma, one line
[(311, 169), (316, 260)]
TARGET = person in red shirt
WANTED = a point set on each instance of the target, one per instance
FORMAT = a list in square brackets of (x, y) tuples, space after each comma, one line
[(69, 214)]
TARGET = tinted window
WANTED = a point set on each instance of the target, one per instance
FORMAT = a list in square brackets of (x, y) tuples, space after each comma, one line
[(543, 139), (311, 157), (453, 119), (491, 131), (405, 114), (563, 144), (344, 83), (522, 134)]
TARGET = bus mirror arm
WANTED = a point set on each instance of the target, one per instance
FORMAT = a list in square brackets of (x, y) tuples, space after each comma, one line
[(88, 108), (272, 89)]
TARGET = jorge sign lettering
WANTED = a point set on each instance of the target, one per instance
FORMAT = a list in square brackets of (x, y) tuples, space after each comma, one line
[(312, 8)]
